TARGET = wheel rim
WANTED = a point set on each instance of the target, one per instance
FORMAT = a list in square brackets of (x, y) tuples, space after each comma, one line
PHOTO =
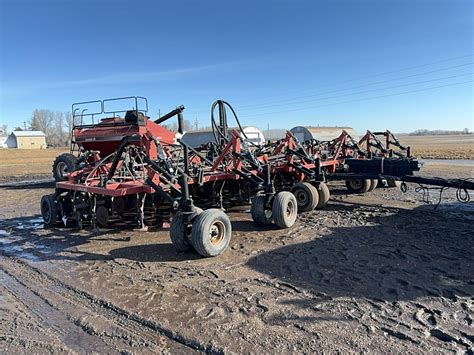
[(62, 169), (301, 197), (217, 233), (188, 230), (290, 208), (355, 184), (268, 213)]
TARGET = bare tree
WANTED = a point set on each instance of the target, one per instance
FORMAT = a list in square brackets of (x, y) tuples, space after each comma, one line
[(68, 122), (58, 135), (52, 124), (42, 120)]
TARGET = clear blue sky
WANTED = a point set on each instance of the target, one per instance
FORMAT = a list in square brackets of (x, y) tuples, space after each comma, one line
[(280, 63)]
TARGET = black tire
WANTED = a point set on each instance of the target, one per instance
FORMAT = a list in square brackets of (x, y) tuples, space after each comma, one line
[(63, 165), (180, 232), (307, 196), (49, 210), (260, 215), (393, 183), (211, 233), (358, 186), (324, 195), (285, 209), (373, 185), (102, 216)]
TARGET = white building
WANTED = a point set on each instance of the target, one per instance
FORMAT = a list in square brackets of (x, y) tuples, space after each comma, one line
[(26, 140), (197, 138)]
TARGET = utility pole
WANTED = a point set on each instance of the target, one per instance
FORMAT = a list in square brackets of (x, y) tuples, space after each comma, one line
[(24, 124), (196, 124)]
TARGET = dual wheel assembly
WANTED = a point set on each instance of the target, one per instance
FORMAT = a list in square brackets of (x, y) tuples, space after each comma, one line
[(310, 197), (283, 208), (207, 232), (361, 186)]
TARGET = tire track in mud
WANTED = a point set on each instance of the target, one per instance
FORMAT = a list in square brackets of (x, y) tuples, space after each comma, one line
[(91, 321)]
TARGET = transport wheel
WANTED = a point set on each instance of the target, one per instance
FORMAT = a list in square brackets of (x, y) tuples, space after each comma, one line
[(307, 196), (284, 209), (102, 216), (180, 232), (381, 183), (393, 183), (211, 232), (373, 185), (260, 215), (118, 205), (63, 165), (324, 195), (49, 210), (358, 186)]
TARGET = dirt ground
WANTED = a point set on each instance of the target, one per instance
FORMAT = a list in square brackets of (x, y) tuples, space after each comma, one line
[(381, 272), (440, 147)]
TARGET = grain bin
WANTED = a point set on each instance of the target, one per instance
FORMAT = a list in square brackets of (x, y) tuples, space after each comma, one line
[(321, 133)]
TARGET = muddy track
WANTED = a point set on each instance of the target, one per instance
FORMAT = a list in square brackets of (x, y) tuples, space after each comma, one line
[(370, 273), (84, 323)]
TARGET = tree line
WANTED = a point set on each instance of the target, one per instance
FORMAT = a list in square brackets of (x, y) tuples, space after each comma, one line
[(438, 132)]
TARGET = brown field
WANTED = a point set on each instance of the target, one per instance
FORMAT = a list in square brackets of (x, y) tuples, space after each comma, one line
[(441, 147), (27, 164)]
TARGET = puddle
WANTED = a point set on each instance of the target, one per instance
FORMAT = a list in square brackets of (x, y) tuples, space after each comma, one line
[(32, 223), (23, 251)]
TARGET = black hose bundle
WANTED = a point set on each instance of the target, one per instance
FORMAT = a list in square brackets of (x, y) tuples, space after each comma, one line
[(220, 131)]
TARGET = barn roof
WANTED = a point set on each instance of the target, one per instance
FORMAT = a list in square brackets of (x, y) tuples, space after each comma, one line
[(28, 133)]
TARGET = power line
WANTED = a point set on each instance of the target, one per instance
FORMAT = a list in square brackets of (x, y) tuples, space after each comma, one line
[(376, 75), (358, 100), (366, 91), (356, 87), (244, 107)]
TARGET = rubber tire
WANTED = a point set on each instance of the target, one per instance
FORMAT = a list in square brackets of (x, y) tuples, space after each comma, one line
[(311, 194), (102, 223), (70, 162), (180, 233), (257, 210), (365, 185), (373, 185), (280, 204), (200, 232), (393, 183), (324, 195), (49, 210)]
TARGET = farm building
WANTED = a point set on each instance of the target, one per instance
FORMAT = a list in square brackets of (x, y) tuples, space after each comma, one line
[(26, 140), (197, 138), (321, 133)]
